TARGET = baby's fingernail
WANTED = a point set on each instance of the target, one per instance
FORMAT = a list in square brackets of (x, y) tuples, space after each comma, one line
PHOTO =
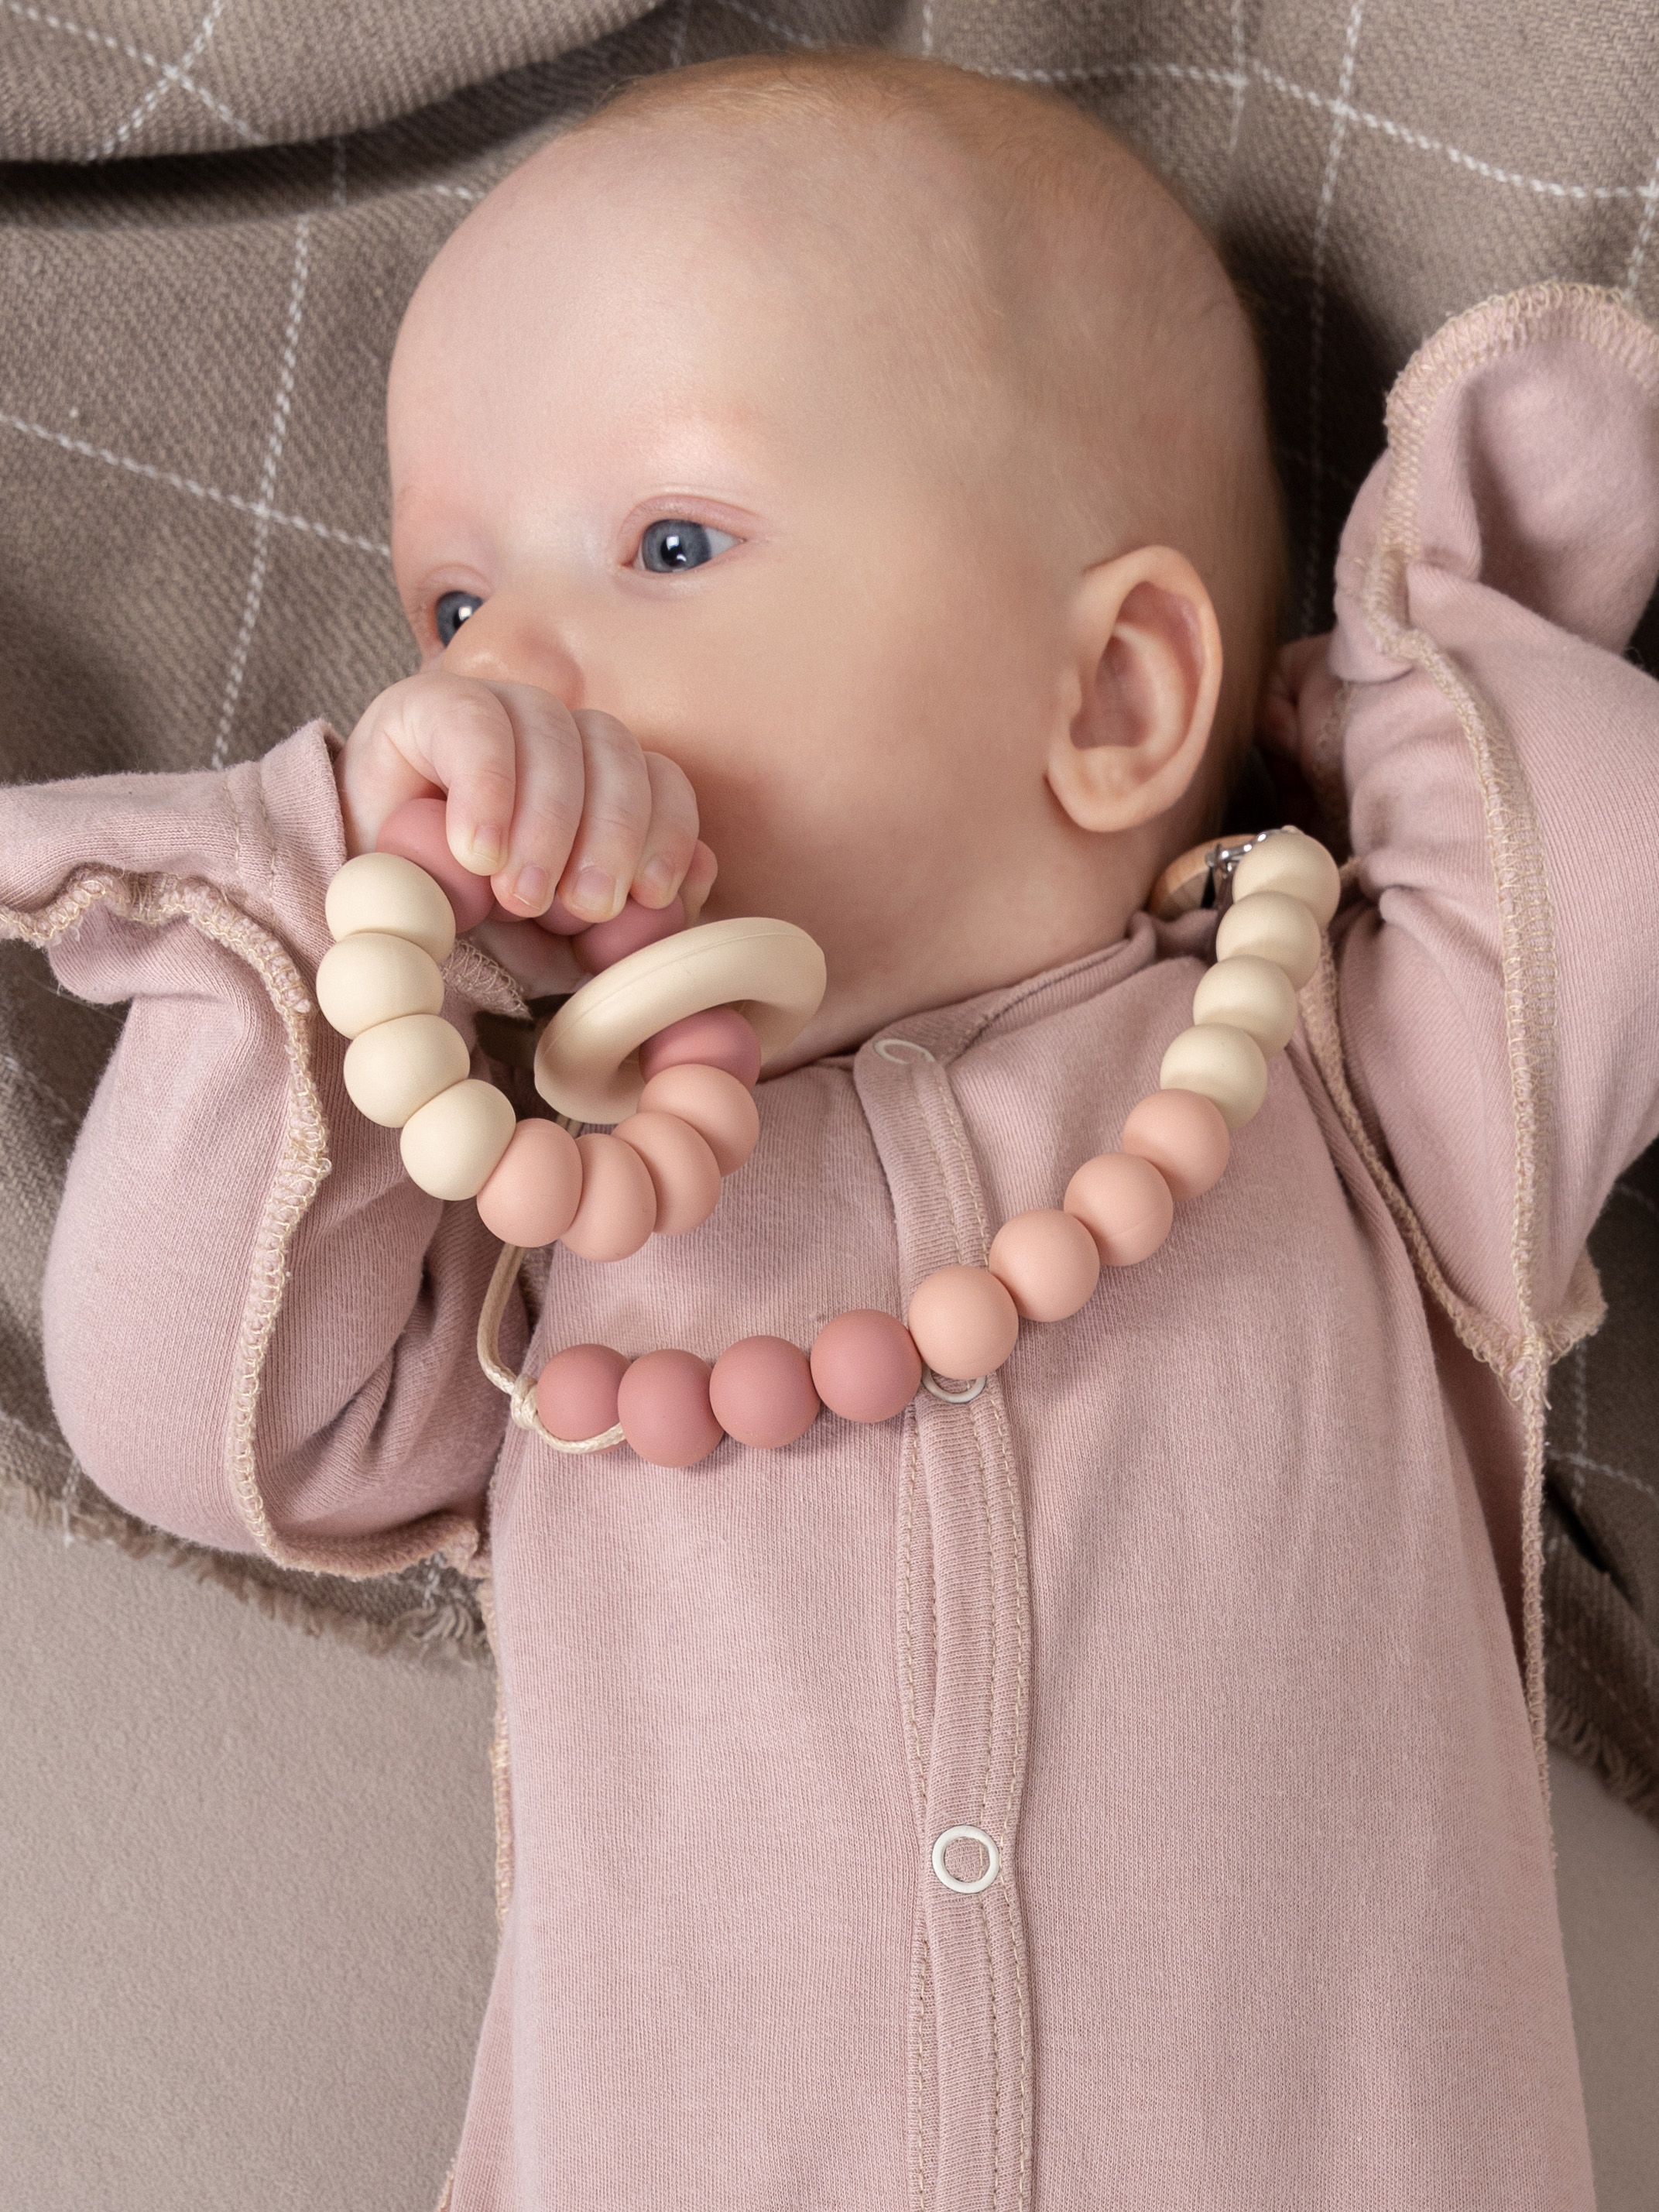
[(657, 882), (488, 848), (531, 887), (594, 892)]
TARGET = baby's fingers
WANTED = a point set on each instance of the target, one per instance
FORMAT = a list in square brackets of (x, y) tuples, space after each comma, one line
[(615, 817), (551, 776), (671, 837), (699, 881)]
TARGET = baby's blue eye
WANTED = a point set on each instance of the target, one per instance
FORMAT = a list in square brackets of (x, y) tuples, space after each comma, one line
[(451, 610), (674, 544)]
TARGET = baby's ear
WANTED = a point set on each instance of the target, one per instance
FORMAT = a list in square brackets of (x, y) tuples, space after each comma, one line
[(1143, 680)]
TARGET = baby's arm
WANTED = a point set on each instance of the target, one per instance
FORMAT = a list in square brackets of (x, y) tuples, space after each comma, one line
[(1499, 991), (259, 1334)]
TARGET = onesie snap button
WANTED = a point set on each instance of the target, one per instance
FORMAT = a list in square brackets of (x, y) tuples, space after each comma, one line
[(980, 1881), (901, 1051)]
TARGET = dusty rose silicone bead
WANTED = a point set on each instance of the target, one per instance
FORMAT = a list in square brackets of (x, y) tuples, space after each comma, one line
[(683, 1172), (618, 1201), (760, 1392), (605, 943), (417, 831), (1047, 1261), (1184, 1135), (663, 1406), (576, 1391), (1125, 1204), (532, 1196), (717, 1038), (715, 1104), (866, 1366), (556, 919), (964, 1321)]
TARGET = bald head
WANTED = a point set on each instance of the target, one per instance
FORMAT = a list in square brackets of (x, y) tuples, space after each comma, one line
[(1039, 285)]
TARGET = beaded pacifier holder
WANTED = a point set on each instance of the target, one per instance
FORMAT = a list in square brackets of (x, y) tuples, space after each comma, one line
[(666, 1042)]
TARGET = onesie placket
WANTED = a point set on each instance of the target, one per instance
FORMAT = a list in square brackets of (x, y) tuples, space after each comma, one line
[(963, 1678)]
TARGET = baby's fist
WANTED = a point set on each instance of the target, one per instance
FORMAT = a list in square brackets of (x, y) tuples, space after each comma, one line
[(547, 803)]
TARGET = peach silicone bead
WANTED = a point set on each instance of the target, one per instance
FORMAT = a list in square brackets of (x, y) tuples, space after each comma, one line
[(964, 1321), (715, 1104), (865, 1365), (618, 1201), (391, 1070), (1184, 1135), (372, 977), (1047, 1262), (1125, 1204), (576, 1391), (760, 1392), (604, 943), (417, 831), (683, 1172), (451, 1144), (1297, 865), (717, 1038), (663, 1406), (1276, 928), (1248, 993), (382, 890), (1223, 1063), (537, 1186)]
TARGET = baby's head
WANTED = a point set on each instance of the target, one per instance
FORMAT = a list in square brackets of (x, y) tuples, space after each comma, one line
[(971, 590)]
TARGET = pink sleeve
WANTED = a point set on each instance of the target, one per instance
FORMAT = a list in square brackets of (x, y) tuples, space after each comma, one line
[(1499, 990), (259, 1334)]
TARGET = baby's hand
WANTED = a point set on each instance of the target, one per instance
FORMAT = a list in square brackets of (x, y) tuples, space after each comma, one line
[(544, 801)]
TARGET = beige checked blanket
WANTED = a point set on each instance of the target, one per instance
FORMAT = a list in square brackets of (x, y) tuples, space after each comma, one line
[(211, 220)]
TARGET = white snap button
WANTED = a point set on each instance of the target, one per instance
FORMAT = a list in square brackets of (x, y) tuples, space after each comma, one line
[(931, 1382), (966, 1835), (900, 1050)]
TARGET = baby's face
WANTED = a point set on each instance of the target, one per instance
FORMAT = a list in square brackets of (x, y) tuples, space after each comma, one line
[(674, 439)]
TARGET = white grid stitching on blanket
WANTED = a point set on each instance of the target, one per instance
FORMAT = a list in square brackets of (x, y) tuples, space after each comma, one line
[(175, 71), (1234, 81), (175, 482), (274, 444), (167, 77), (1316, 321)]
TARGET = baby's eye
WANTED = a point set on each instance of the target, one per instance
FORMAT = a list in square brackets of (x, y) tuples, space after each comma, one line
[(674, 544), (451, 610)]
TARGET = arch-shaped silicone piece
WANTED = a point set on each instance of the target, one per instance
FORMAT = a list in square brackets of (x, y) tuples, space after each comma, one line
[(372, 977), (1273, 927), (1296, 864), (1218, 1061), (586, 1062), (383, 891), (416, 829), (452, 1145)]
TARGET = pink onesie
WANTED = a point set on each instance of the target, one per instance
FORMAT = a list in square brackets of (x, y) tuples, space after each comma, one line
[(1199, 1610)]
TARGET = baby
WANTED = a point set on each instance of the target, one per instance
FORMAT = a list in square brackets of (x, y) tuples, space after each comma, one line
[(858, 472)]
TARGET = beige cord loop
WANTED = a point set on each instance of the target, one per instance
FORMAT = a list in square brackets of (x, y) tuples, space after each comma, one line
[(521, 1390)]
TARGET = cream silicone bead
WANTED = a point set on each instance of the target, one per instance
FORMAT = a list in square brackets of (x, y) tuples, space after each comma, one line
[(1248, 993), (391, 1070), (452, 1145), (1221, 1062), (384, 891), (1297, 865), (1273, 927), (370, 977)]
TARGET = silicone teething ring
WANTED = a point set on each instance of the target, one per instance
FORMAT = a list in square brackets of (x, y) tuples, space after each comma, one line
[(585, 1063)]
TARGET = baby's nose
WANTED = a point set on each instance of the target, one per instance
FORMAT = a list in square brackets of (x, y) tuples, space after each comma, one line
[(505, 641)]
